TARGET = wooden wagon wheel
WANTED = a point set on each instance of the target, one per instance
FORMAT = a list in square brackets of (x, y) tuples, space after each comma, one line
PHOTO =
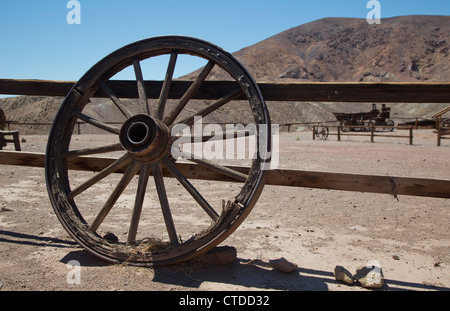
[(161, 220), (322, 131), (391, 124), (445, 123)]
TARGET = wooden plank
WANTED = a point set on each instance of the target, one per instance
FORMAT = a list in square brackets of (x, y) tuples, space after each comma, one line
[(301, 91), (361, 183), (279, 177), (440, 113), (35, 87)]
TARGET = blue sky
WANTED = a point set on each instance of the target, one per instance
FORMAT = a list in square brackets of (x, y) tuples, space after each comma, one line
[(38, 43)]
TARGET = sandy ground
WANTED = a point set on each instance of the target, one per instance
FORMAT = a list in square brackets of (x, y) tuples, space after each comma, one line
[(313, 228)]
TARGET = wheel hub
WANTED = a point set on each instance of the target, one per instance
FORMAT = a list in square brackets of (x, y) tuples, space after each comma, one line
[(145, 138)]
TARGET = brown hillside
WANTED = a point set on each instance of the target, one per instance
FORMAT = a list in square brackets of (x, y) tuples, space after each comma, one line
[(407, 48)]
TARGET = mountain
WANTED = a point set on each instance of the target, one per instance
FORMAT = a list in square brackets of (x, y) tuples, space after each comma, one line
[(400, 49), (406, 48)]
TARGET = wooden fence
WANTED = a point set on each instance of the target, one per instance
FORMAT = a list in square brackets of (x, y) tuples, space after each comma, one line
[(325, 92), (372, 132), (442, 133)]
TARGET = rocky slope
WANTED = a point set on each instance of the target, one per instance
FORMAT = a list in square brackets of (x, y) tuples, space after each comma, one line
[(407, 48)]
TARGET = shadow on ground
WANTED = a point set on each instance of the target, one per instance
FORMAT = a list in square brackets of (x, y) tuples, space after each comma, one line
[(242, 274)]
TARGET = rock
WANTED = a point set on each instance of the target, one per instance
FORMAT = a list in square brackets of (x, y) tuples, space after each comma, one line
[(370, 276), (343, 275), (111, 237), (283, 265), (221, 255)]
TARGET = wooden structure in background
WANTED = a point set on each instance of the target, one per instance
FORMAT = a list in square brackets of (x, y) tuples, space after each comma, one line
[(7, 136), (372, 133), (442, 125)]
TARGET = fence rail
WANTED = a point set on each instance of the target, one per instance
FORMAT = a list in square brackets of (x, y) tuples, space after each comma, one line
[(301, 91), (279, 177), (325, 92)]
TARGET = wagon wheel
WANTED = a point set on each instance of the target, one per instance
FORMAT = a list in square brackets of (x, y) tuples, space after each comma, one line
[(390, 122), (162, 220), (322, 132), (445, 123), (359, 125)]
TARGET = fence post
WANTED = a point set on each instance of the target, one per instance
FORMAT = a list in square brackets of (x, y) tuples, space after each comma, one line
[(372, 130), (2, 141), (411, 135), (439, 133), (339, 133), (314, 132)]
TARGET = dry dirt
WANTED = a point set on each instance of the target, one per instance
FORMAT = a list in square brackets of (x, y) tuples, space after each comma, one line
[(313, 228)]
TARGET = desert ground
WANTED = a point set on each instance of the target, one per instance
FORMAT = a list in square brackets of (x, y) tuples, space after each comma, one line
[(315, 229)]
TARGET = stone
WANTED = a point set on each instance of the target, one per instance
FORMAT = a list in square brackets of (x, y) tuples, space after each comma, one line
[(343, 275), (370, 276), (111, 237), (282, 265), (220, 255)]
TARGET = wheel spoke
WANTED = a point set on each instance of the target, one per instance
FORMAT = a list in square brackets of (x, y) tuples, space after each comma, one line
[(189, 93), (123, 183), (159, 181), (216, 167), (114, 99), (88, 151), (166, 86), (142, 186), (124, 160), (190, 188), (141, 85), (96, 123), (214, 106)]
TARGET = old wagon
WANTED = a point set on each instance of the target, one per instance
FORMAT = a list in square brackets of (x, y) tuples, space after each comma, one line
[(362, 121)]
